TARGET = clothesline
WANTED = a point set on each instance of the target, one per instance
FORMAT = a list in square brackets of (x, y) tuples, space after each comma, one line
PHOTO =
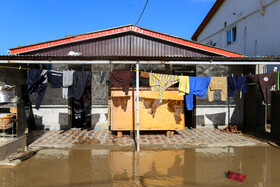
[(200, 86), (18, 68), (94, 71)]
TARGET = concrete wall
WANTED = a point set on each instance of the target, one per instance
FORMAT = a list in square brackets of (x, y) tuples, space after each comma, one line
[(257, 34), (6, 149), (219, 113), (13, 77)]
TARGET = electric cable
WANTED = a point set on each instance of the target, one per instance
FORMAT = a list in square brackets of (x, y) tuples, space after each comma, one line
[(137, 9), (142, 12)]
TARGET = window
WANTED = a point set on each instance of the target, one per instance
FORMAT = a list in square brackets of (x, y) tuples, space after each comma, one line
[(211, 43), (231, 35)]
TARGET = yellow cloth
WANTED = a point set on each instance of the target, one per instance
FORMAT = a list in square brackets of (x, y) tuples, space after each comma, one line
[(184, 85), (159, 82), (217, 83)]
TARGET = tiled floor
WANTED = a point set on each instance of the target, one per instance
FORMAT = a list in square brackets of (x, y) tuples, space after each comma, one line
[(195, 137)]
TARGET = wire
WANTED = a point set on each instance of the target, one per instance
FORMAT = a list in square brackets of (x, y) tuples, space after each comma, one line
[(137, 10), (142, 12), (19, 68)]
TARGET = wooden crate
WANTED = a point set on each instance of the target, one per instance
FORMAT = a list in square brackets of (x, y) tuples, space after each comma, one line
[(154, 115)]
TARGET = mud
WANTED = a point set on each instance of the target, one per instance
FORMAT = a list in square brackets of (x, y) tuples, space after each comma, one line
[(104, 167)]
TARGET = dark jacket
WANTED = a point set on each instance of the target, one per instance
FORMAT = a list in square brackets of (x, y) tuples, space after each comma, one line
[(122, 79), (80, 80), (37, 81), (267, 82), (237, 83)]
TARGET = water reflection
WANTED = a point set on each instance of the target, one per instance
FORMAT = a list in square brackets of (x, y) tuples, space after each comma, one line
[(198, 166)]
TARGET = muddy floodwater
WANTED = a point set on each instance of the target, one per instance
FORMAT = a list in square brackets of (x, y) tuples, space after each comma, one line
[(189, 167)]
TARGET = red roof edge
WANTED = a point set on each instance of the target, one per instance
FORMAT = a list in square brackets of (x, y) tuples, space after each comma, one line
[(208, 17), (122, 29), (74, 38), (185, 42)]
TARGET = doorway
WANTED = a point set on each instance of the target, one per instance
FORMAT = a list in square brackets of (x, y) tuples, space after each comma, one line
[(80, 111)]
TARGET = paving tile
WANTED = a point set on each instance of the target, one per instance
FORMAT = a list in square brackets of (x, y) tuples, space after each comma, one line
[(105, 137)]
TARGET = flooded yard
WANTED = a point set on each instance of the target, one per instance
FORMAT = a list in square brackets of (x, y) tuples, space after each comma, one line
[(104, 167)]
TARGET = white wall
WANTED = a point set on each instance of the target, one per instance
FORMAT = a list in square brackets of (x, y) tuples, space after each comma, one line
[(261, 36)]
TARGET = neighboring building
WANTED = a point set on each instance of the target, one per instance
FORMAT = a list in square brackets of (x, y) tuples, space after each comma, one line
[(250, 27), (130, 43)]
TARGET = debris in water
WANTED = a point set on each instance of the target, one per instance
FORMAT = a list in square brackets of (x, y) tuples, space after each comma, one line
[(236, 176)]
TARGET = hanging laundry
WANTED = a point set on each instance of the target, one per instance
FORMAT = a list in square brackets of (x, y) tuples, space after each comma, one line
[(55, 79), (237, 83), (37, 81), (102, 75), (67, 81), (217, 83), (80, 80), (268, 82), (184, 85), (159, 82), (198, 87), (145, 74), (122, 79)]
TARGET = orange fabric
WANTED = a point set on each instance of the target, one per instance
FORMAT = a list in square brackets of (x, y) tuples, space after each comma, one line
[(144, 74)]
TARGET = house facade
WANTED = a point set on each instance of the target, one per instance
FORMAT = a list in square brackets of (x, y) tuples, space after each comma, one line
[(249, 27), (130, 44)]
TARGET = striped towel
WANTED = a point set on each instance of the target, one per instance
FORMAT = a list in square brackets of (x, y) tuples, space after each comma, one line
[(160, 82)]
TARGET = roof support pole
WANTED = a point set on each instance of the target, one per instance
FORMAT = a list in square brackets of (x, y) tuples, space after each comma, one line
[(137, 125), (137, 108)]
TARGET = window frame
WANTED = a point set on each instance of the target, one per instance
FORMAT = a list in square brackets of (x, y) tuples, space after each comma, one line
[(231, 35)]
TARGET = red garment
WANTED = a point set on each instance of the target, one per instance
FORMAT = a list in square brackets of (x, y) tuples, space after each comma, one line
[(236, 176), (267, 82), (122, 79)]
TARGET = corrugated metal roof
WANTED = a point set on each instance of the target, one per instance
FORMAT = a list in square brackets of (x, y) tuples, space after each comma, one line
[(125, 44), (124, 29), (151, 58)]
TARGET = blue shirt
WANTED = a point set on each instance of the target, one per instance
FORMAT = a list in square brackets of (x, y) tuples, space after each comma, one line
[(198, 87)]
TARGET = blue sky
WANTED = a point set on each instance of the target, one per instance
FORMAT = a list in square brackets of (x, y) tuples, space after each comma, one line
[(26, 22)]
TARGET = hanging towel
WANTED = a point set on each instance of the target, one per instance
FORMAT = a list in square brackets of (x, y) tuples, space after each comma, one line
[(160, 82), (267, 82), (122, 79), (217, 83), (67, 80), (237, 83), (198, 87), (184, 86)]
